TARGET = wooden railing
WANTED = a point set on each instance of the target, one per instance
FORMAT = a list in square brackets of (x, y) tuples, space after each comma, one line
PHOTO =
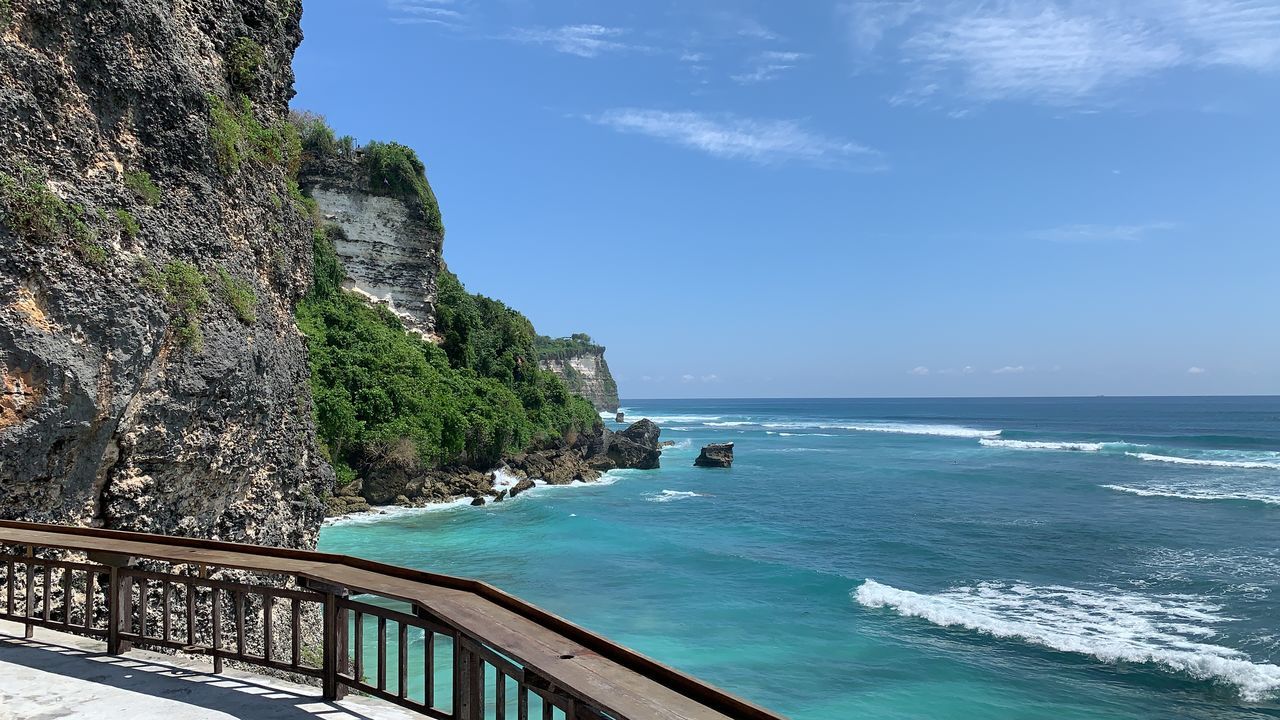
[(444, 647)]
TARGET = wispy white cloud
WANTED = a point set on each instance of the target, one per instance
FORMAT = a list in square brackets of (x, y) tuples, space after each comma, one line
[(1045, 53), (729, 136), (687, 378), (586, 41), (966, 370), (1102, 233), (919, 370), (423, 12), (1009, 370), (1195, 370), (1059, 52), (769, 65)]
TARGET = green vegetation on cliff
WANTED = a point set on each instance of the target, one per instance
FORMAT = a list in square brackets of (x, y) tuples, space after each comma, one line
[(565, 348), (392, 169), (384, 396)]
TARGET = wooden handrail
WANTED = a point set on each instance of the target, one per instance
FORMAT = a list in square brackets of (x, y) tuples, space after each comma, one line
[(478, 612)]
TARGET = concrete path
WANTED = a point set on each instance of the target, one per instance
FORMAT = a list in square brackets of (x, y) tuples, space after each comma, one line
[(54, 676)]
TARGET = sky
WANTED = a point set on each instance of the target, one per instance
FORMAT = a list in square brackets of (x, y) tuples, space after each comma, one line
[(846, 198)]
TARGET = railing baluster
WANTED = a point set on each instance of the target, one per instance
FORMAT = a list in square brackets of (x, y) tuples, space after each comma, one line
[(47, 596), (9, 585), (217, 629), (382, 653), (191, 614), (66, 596), (500, 696), (429, 667), (31, 590), (268, 601), (296, 622), (358, 672), (165, 592), (90, 579), (143, 585), (240, 623), (402, 666)]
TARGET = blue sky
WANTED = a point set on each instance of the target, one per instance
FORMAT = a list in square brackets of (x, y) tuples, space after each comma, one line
[(847, 198)]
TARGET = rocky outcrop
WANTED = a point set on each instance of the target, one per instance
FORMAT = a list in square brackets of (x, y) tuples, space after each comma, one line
[(581, 365), (718, 455), (151, 374), (391, 252), (580, 459), (636, 447)]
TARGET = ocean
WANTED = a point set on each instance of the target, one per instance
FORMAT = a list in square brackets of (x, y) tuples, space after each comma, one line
[(951, 558)]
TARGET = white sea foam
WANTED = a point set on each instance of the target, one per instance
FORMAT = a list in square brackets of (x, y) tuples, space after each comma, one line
[(729, 423), (1168, 631), (678, 418), (799, 450), (380, 513), (1038, 445), (1207, 462), (1198, 493), (672, 496), (680, 445), (958, 431)]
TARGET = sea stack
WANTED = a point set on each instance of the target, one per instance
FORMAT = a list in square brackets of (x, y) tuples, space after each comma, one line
[(719, 455), (621, 416)]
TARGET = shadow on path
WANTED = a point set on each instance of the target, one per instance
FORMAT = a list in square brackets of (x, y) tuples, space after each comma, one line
[(234, 696)]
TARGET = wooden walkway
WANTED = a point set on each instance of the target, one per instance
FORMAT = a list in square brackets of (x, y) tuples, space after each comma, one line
[(569, 669)]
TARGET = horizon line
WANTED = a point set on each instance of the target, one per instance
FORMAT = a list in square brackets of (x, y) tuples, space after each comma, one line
[(958, 397)]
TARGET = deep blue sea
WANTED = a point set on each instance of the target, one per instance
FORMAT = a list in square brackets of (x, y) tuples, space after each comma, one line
[(958, 558)]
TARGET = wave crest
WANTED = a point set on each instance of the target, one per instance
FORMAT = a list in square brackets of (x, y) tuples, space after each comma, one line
[(1112, 626), (1043, 445), (1205, 462), (1197, 493), (673, 495)]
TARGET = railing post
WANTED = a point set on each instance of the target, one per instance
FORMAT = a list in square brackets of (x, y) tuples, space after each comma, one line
[(468, 681), (119, 599), (335, 655)]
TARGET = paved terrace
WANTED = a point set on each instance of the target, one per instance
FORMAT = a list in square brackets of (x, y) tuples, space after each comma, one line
[(55, 675)]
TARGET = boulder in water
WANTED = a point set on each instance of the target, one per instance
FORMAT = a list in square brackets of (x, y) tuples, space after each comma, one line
[(718, 455)]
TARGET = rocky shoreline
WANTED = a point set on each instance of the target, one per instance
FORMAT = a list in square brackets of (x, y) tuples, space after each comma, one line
[(584, 459)]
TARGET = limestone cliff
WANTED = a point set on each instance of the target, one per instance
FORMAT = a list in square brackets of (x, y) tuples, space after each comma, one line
[(581, 364), (151, 255), (391, 250)]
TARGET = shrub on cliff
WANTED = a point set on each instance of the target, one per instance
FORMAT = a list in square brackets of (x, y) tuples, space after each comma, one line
[(238, 136), (395, 170), (379, 389), (243, 61)]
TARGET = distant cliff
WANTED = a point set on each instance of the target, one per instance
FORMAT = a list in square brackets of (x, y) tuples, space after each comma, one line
[(152, 249), (581, 364)]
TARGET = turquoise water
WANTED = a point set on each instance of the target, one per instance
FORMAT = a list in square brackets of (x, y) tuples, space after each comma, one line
[(1065, 558)]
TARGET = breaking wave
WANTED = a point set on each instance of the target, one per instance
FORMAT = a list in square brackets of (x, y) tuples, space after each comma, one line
[(1207, 462), (673, 495), (957, 431), (1037, 445), (1184, 493), (1170, 632)]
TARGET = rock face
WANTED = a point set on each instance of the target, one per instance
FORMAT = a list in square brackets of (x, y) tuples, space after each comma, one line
[(585, 373), (719, 455), (636, 447), (581, 459), (151, 374), (391, 254)]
